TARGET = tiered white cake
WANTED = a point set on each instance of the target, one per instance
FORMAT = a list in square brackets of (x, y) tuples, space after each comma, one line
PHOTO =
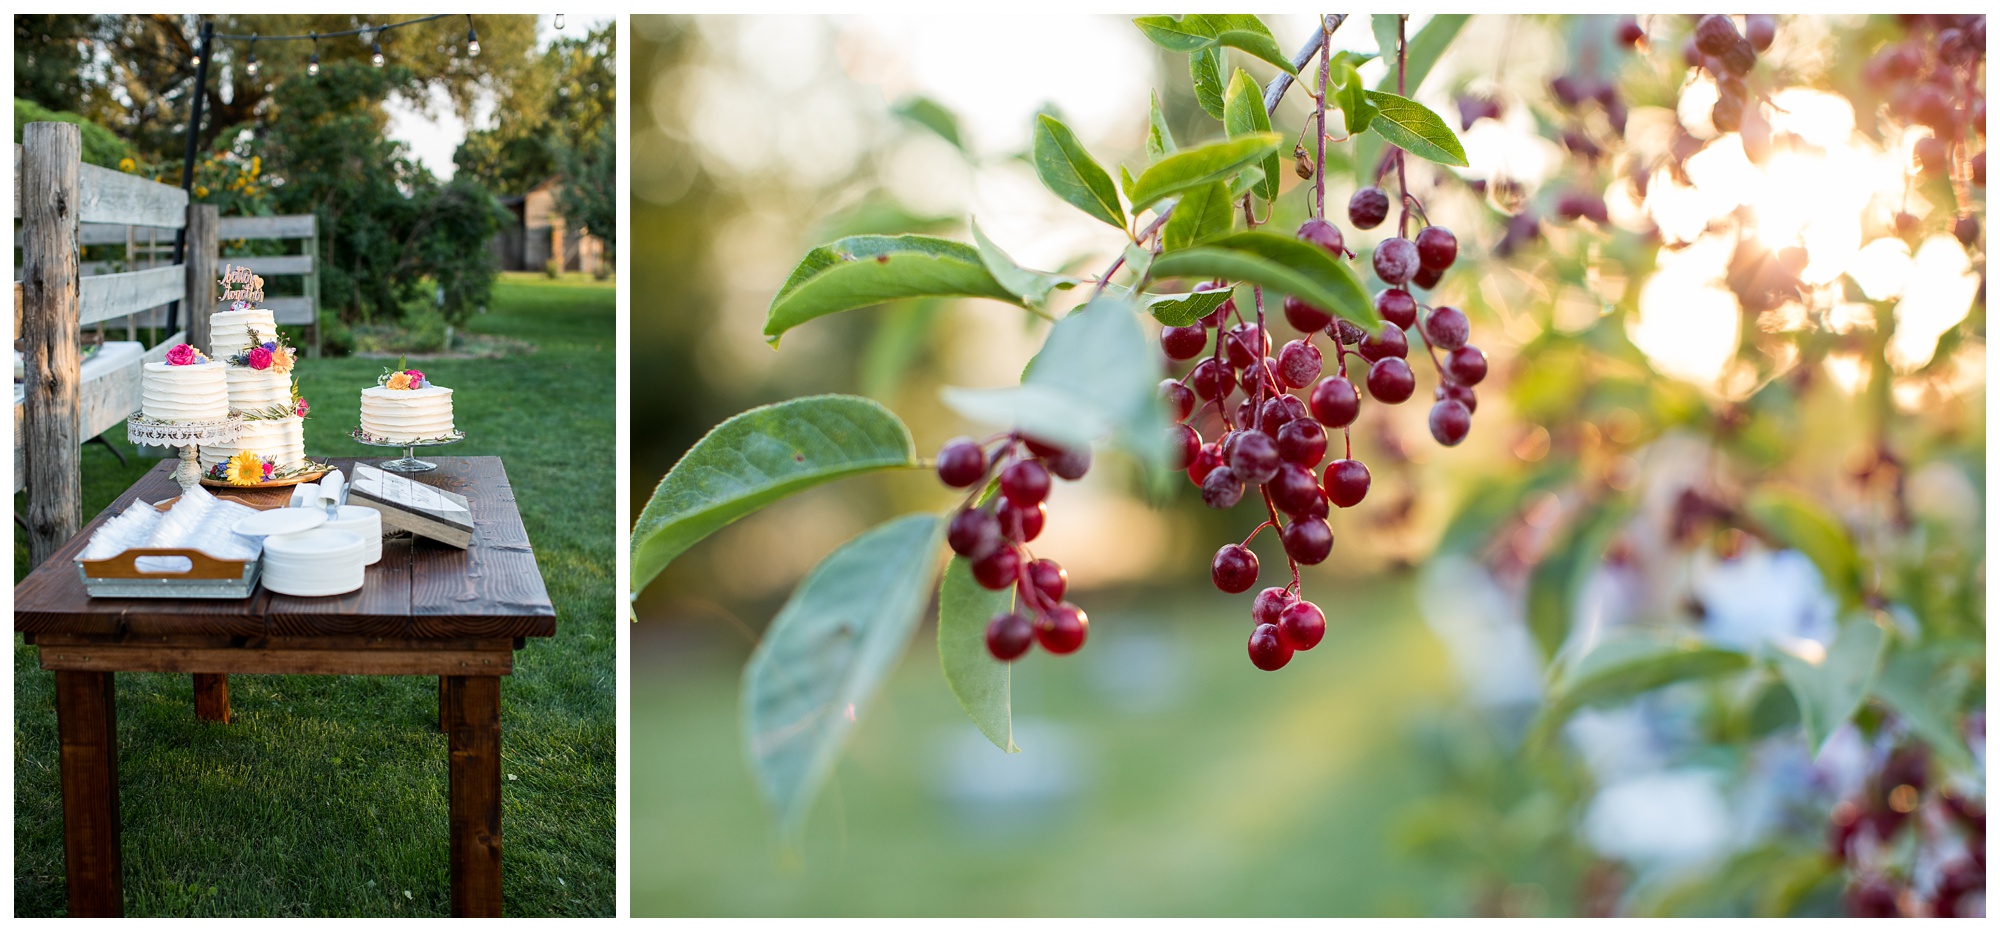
[(256, 393), (231, 331), (196, 392), (258, 389), (406, 415), (280, 441)]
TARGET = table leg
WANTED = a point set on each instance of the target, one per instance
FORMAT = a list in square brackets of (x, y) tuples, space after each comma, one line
[(444, 704), (472, 718), (87, 729), (211, 697)]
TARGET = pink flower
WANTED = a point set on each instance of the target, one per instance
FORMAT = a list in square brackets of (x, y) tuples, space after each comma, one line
[(268, 466), (184, 355), (302, 408), (260, 358), (416, 379)]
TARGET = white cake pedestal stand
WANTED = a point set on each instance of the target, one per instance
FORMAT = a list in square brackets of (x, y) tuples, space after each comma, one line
[(189, 436), (409, 461)]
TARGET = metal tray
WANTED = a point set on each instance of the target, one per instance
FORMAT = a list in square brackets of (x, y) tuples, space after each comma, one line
[(119, 577)]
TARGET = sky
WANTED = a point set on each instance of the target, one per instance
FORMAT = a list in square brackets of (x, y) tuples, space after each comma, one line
[(433, 139)]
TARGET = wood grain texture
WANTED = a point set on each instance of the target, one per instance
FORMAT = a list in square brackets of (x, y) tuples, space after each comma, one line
[(47, 174), (473, 724), (444, 704), (87, 730), (272, 660), (283, 226), (111, 196), (493, 586), (122, 293), (268, 266), (211, 697), (199, 285)]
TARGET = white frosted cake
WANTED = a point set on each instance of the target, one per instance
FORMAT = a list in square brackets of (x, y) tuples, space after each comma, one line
[(404, 415), (198, 392), (230, 331), (282, 442), (258, 389)]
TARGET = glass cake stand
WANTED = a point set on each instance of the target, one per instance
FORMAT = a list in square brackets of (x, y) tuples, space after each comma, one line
[(409, 462)]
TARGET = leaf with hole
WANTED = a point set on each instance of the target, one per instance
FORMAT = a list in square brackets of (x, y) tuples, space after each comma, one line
[(1192, 168), (1159, 136), (825, 655), (1243, 115), (1415, 128), (759, 457), (1029, 286), (863, 271), (1278, 263), (981, 683), (1068, 170)]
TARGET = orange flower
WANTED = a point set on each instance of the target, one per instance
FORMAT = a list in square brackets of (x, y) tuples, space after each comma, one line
[(282, 359), (399, 381)]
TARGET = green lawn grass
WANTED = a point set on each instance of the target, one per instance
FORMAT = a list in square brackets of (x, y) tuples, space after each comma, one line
[(327, 795)]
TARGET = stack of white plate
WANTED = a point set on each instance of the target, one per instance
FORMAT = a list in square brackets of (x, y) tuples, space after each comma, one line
[(365, 523), (319, 562)]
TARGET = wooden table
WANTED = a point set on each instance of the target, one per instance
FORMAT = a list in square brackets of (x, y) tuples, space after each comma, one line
[(426, 609)]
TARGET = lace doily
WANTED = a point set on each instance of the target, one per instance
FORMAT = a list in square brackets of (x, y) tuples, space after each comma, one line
[(148, 431)]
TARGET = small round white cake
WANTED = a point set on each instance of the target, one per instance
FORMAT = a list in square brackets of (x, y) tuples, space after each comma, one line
[(230, 331), (406, 415), (184, 393), (257, 389), (282, 441)]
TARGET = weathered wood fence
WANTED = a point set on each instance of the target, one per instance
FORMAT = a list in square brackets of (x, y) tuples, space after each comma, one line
[(54, 195)]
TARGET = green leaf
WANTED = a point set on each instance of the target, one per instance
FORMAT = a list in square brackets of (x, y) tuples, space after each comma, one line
[(1192, 168), (1385, 27), (1159, 136), (1623, 667), (824, 656), (1830, 690), (1353, 99), (1069, 171), (1178, 33), (1205, 31), (1203, 214), (980, 682), (932, 116), (1243, 115), (1096, 376), (756, 458), (1413, 126), (1555, 582), (1425, 48), (1923, 689), (1800, 523), (1184, 310), (1205, 67), (861, 271), (1138, 258), (1029, 286), (1280, 263), (1125, 181)]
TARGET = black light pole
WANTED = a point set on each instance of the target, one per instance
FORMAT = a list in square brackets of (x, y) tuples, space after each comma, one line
[(187, 166)]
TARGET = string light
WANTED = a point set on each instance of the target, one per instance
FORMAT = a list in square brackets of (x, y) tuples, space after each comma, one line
[(377, 59), (251, 65), (559, 20), (471, 38), (312, 67)]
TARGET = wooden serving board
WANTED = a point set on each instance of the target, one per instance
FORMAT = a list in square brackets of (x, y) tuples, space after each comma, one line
[(408, 504)]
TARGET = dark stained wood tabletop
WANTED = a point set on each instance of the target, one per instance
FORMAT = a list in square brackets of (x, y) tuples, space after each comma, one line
[(421, 589)]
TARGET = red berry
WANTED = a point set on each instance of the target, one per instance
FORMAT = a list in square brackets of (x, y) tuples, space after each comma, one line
[(999, 569), (1715, 34), (1206, 460), (1179, 398), (1335, 402), (1308, 539), (1466, 365), (1221, 489), (1293, 489), (1299, 363), (1183, 342), (1302, 625), (1061, 630), (1761, 29), (1026, 482), (1629, 32), (1254, 458), (1437, 248), (1346, 482), (1368, 207), (1268, 651), (1397, 307), (1304, 317), (1221, 313), (1448, 328), (1426, 279), (1213, 379), (1450, 422), (1324, 235), (1348, 334), (1390, 342), (1396, 260), (1070, 464), (1275, 414), (1460, 393), (1234, 568), (1049, 579), (1265, 608), (1040, 448), (1302, 441), (1183, 445), (1021, 523), (1009, 635), (1390, 381), (973, 533), (961, 463)]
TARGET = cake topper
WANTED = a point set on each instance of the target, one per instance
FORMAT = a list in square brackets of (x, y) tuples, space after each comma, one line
[(252, 285)]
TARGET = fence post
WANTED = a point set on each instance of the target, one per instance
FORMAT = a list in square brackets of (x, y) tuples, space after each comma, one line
[(202, 224), (51, 154)]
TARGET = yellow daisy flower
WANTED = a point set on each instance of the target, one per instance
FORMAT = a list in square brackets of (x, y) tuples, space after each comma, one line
[(246, 468)]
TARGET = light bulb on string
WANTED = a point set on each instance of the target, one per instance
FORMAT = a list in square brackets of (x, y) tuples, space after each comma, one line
[(471, 38), (251, 65), (377, 58), (559, 20), (312, 66)]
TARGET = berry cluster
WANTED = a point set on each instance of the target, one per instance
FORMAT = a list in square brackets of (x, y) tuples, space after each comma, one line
[(993, 537), (1727, 55), (1876, 834), (1269, 437), (1930, 79)]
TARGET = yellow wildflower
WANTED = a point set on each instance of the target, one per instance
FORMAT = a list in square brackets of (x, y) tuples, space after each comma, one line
[(399, 381), (200, 190), (246, 468), (126, 164)]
